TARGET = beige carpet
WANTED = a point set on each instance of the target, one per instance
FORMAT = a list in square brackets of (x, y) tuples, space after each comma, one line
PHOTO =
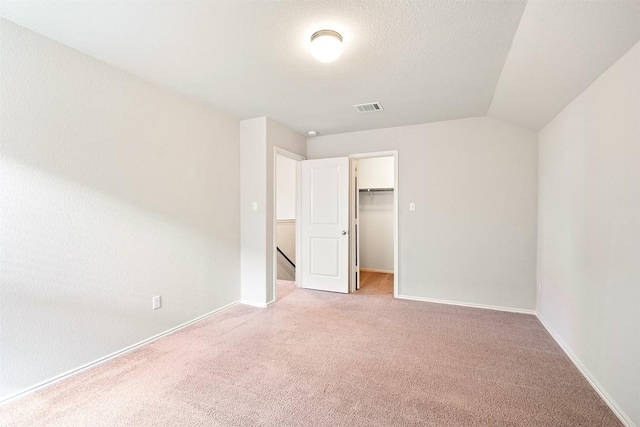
[(285, 287), (323, 359)]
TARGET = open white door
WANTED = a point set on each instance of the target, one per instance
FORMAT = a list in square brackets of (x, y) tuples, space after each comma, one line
[(324, 221)]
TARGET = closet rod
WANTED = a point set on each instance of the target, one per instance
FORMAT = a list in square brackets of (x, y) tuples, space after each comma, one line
[(371, 190)]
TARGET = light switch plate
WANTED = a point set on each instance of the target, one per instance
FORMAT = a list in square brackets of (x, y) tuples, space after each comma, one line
[(156, 302), (412, 206)]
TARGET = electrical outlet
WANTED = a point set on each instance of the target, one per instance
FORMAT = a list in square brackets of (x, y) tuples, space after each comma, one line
[(254, 206), (156, 302)]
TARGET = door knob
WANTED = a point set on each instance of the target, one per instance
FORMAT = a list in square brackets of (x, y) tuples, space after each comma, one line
[(344, 232)]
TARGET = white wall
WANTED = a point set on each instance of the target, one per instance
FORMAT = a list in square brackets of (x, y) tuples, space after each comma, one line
[(253, 171), (376, 231), (472, 238), (258, 138), (376, 213), (589, 230), (286, 170), (110, 193), (376, 172)]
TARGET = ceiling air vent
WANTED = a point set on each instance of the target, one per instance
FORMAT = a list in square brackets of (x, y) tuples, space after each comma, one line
[(368, 108)]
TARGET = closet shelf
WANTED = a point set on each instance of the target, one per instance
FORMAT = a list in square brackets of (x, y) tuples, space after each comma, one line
[(374, 190)]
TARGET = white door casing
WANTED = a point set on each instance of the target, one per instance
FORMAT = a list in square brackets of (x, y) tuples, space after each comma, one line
[(396, 192), (354, 262), (324, 218)]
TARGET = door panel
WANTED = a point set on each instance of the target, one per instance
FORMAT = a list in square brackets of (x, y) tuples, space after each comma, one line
[(324, 224), (325, 256), (325, 203)]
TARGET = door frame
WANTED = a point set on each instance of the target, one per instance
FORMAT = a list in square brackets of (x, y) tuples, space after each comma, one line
[(396, 191), (281, 151)]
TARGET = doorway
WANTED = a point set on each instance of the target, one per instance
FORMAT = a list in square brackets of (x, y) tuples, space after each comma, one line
[(286, 227), (329, 222), (374, 223)]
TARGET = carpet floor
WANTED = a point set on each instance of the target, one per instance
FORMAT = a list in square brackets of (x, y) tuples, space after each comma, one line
[(324, 359)]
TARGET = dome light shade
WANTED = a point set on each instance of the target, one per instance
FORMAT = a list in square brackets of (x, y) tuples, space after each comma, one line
[(326, 45)]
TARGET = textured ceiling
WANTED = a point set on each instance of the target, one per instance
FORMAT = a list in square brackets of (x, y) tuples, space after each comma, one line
[(424, 60)]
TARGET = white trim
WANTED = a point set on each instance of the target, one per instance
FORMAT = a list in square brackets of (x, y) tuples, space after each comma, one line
[(389, 153), (354, 237), (396, 212), (285, 221), (469, 304), (113, 355), (624, 419), (258, 304), (298, 276), (396, 202), (289, 154), (375, 270)]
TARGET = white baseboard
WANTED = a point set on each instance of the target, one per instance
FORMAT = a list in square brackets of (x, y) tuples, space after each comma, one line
[(574, 359), (374, 270), (468, 304), (104, 359), (624, 419), (254, 303), (286, 221)]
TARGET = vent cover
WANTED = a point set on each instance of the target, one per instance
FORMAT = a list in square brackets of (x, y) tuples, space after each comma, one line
[(368, 108)]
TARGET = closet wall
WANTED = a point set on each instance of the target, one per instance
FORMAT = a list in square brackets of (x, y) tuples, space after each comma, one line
[(376, 213)]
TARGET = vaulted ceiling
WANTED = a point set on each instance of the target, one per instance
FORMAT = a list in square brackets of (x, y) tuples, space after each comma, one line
[(425, 61)]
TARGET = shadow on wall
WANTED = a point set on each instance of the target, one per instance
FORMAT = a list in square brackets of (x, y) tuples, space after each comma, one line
[(113, 190), (69, 115)]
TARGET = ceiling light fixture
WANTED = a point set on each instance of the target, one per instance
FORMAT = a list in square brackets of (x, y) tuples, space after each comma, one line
[(326, 45)]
